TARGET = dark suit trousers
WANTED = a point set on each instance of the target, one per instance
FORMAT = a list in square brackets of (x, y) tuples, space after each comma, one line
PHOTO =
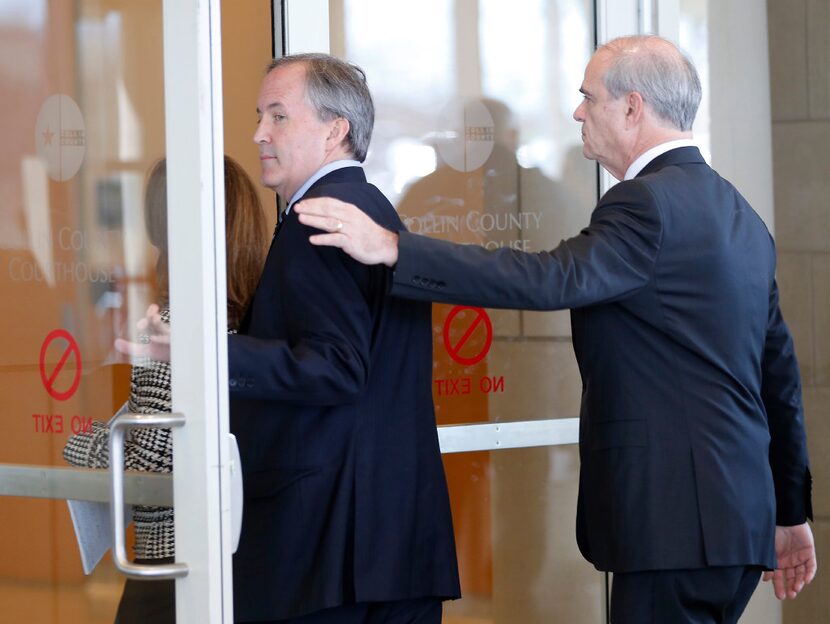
[(704, 596), (415, 611)]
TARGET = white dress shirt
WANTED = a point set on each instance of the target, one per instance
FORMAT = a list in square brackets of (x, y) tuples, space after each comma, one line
[(646, 157), (324, 170)]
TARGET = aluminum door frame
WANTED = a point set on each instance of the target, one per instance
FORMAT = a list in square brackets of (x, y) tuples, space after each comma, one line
[(196, 230)]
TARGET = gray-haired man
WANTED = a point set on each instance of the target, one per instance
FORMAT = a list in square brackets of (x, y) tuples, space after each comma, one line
[(347, 516)]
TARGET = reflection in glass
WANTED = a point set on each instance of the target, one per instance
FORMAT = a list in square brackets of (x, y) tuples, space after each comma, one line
[(87, 122), (82, 121), (516, 513), (475, 142)]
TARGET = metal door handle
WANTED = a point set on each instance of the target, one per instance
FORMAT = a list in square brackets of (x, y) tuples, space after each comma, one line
[(118, 427)]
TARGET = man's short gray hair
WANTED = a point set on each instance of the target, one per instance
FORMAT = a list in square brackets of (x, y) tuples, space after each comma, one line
[(335, 88), (662, 74)]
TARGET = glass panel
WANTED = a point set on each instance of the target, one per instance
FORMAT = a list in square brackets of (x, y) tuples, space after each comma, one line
[(518, 558), (475, 142), (82, 124)]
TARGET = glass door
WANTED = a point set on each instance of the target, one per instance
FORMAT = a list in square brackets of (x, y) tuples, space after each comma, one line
[(97, 94)]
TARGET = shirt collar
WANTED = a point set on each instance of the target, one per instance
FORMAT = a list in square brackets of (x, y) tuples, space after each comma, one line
[(646, 157), (322, 171)]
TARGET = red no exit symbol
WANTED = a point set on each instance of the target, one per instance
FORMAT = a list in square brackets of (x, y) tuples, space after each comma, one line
[(55, 383), (467, 323)]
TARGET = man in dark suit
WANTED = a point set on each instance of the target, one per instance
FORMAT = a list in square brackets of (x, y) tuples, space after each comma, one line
[(346, 515), (694, 475)]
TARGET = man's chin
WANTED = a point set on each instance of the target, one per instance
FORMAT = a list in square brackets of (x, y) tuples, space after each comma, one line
[(267, 181)]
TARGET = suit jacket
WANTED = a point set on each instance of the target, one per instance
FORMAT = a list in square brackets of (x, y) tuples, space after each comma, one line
[(692, 438), (331, 403)]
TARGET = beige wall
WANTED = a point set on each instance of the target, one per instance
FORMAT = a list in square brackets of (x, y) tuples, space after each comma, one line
[(785, 175), (799, 53)]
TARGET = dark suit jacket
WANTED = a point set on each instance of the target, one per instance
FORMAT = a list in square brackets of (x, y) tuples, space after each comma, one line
[(692, 439), (331, 403)]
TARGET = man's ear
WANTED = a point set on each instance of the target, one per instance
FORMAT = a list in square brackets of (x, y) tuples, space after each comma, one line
[(634, 108), (339, 131)]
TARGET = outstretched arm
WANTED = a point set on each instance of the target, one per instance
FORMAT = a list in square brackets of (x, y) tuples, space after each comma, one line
[(350, 229), (797, 563), (610, 259)]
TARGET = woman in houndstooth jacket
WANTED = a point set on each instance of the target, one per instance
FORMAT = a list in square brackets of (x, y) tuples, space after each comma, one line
[(150, 449)]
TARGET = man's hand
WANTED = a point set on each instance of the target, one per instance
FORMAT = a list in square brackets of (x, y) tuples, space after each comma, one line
[(797, 564), (154, 338), (349, 228)]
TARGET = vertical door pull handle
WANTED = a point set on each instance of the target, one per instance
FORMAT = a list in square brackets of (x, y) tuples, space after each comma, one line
[(118, 427)]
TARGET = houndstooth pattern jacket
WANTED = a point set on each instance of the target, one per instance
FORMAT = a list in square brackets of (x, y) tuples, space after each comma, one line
[(149, 449)]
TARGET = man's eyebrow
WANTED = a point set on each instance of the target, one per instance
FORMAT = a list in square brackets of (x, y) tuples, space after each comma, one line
[(271, 106)]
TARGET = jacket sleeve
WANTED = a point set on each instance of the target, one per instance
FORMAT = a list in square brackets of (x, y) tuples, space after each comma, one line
[(321, 354), (89, 449), (610, 259), (781, 393), (148, 449)]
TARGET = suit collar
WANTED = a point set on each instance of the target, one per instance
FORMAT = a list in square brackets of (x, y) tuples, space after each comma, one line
[(340, 176), (678, 156)]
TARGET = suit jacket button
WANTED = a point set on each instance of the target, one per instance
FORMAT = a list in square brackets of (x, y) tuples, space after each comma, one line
[(232, 383)]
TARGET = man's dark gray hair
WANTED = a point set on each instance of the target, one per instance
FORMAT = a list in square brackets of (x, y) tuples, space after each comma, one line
[(656, 69), (335, 88)]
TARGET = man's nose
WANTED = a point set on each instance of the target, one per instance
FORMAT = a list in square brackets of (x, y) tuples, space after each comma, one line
[(578, 116), (260, 136)]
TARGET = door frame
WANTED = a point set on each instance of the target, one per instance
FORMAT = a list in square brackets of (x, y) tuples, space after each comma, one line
[(196, 231)]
